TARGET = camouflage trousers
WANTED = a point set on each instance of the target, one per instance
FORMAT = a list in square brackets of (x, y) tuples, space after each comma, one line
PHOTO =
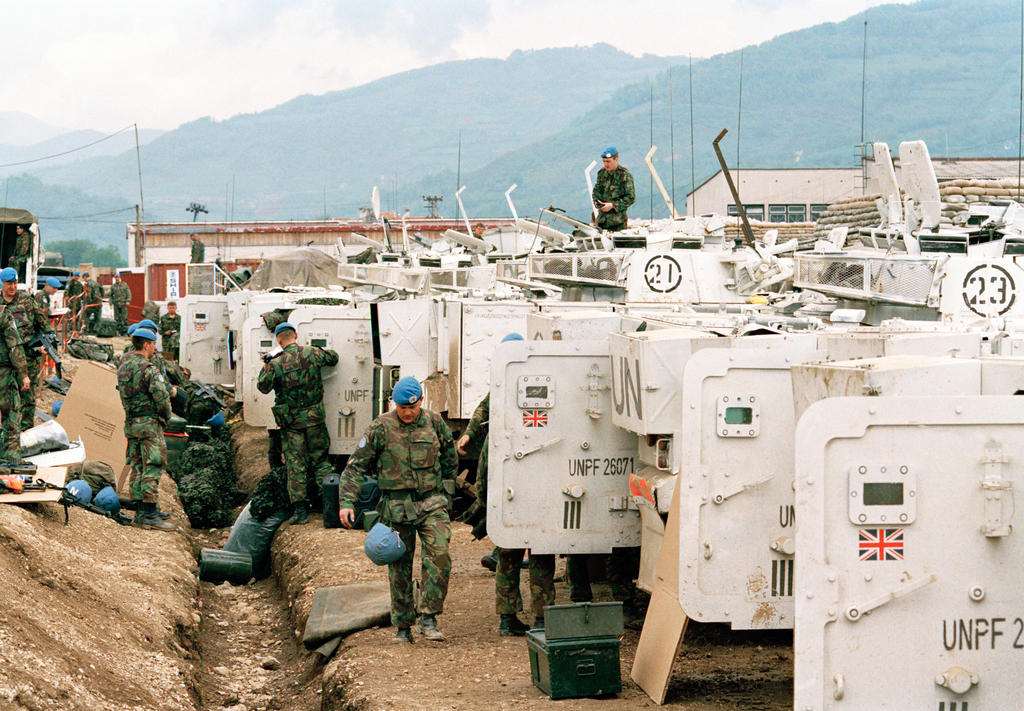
[(92, 317), (435, 532), (147, 456), (621, 568), (507, 598), (305, 454), (121, 316), (28, 397), (10, 412)]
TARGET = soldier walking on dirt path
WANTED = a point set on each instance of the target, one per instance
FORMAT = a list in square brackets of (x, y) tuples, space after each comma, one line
[(411, 451), (295, 377), (508, 600), (147, 409), (31, 321)]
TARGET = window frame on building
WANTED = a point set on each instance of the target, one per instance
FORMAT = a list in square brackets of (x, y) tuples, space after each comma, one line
[(755, 211)]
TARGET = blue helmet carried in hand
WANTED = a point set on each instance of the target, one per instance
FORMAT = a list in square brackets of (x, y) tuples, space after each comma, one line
[(383, 545)]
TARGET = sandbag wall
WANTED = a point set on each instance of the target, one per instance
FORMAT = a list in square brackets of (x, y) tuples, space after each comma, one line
[(958, 195), (860, 211), (787, 230)]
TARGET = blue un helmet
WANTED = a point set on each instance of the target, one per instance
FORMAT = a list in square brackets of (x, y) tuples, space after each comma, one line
[(53, 281), (146, 323), (407, 391), (383, 545), (80, 490), (284, 327), (8, 274), (106, 499), (144, 333)]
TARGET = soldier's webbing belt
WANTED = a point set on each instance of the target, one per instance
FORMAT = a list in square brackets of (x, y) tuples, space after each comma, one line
[(409, 494)]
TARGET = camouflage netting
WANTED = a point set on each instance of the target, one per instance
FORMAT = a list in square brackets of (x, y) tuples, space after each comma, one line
[(206, 480), (90, 349), (321, 301), (271, 494)]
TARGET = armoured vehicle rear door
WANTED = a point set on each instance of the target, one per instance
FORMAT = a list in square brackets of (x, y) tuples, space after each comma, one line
[(204, 339), (908, 594), (558, 466), (736, 546)]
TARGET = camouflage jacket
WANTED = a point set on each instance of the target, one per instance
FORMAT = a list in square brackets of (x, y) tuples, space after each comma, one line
[(615, 187), (12, 353), (170, 329), (198, 252), (43, 299), (93, 292), (120, 293), (411, 462), (28, 316), (151, 311), (74, 289), (23, 244), (142, 389), (295, 378), (479, 423)]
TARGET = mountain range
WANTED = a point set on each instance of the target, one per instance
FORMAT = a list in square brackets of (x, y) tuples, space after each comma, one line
[(946, 71)]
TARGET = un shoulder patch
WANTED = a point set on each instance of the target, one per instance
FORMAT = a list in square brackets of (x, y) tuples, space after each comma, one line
[(160, 378), (362, 442)]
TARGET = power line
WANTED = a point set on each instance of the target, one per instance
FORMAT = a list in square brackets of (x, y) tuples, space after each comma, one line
[(83, 217), (64, 153)]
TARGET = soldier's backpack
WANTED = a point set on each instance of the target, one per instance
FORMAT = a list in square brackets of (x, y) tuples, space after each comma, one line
[(90, 349), (106, 328)]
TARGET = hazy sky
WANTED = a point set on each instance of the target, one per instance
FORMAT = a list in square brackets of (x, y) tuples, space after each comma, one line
[(109, 63)]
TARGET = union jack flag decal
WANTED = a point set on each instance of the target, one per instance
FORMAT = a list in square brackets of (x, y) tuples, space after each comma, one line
[(535, 418), (880, 543)]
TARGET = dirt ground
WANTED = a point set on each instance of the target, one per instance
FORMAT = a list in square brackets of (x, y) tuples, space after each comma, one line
[(106, 617)]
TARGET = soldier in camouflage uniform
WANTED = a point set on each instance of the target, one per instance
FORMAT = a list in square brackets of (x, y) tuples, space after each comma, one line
[(613, 192), (93, 304), (295, 378), (198, 249), (151, 311), (170, 330), (22, 249), (147, 408), (508, 600), (120, 295), (411, 451), (31, 320), (74, 294), (14, 379), (42, 296)]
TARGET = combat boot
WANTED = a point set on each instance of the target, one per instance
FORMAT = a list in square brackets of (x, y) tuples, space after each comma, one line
[(512, 626), (490, 561), (300, 514), (427, 627), (403, 635), (146, 517)]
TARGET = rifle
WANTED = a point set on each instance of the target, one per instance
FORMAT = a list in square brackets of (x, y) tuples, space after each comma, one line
[(16, 485), (48, 341), (210, 392)]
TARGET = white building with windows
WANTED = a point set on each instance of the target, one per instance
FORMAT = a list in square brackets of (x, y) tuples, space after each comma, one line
[(802, 194)]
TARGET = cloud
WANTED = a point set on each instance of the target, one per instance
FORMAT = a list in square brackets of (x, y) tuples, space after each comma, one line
[(106, 65)]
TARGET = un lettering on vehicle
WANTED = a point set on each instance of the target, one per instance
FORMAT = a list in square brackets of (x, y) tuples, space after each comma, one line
[(626, 387), (601, 466)]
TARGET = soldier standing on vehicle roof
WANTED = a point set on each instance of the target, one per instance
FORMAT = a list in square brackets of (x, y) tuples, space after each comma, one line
[(42, 296), (14, 380), (198, 249), (31, 321), (411, 451), (74, 292), (613, 192), (295, 377), (147, 409), (93, 304), (120, 295), (507, 599)]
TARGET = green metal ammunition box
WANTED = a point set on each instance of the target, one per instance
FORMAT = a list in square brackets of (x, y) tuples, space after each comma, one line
[(572, 668), (577, 652)]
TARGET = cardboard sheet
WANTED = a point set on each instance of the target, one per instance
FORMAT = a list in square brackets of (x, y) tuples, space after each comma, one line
[(53, 475), (665, 623), (92, 412)]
